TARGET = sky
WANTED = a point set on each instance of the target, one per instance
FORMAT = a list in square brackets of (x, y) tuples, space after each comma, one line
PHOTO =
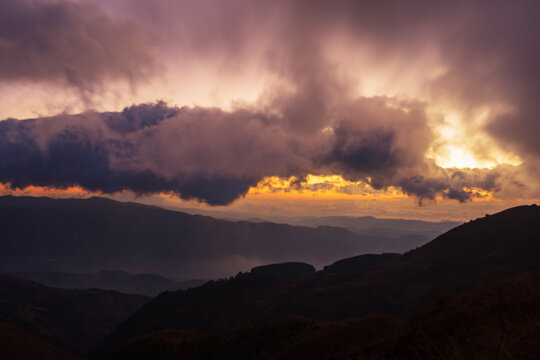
[(418, 109)]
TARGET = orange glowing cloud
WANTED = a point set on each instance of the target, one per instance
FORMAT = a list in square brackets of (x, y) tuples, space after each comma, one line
[(72, 191), (319, 187)]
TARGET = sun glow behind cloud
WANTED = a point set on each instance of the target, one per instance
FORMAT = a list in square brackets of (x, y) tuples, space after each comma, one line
[(460, 139), (461, 144), (316, 186)]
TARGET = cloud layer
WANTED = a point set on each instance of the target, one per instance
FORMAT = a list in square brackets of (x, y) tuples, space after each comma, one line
[(312, 119), (70, 42), (216, 156)]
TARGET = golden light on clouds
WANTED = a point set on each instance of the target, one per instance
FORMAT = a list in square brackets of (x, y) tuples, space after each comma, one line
[(332, 187), (32, 190), (324, 187), (461, 142), (479, 194)]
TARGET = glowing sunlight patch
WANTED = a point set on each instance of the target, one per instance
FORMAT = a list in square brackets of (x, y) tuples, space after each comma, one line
[(462, 143), (72, 191), (318, 186)]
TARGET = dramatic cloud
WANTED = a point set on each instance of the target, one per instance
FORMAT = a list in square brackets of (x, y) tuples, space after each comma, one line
[(70, 42), (485, 52), (322, 111), (199, 153), (216, 156)]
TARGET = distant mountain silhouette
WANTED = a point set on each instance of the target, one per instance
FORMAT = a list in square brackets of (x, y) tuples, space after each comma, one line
[(89, 235), (15, 344), (144, 284), (364, 225), (485, 251), (75, 320)]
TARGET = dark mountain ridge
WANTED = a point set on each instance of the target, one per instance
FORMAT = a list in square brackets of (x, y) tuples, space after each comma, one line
[(144, 284), (360, 262), (288, 270)]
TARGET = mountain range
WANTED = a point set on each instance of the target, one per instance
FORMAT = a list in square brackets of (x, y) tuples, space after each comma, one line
[(362, 225), (471, 293), (91, 235)]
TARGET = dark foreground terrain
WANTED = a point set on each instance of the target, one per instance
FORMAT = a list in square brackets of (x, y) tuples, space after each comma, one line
[(472, 293), (75, 320), (500, 322), (15, 344)]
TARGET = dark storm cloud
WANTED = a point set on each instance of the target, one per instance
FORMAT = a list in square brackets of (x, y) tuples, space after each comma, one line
[(373, 136), (215, 156), (367, 154), (68, 41), (206, 154)]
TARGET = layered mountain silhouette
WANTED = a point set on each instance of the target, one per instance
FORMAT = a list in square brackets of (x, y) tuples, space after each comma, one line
[(90, 235), (362, 225), (144, 284), (479, 253), (74, 320), (369, 225)]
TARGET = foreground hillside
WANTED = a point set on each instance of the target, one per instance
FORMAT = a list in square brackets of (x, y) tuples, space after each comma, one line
[(286, 338), (498, 322), (89, 235), (485, 251), (486, 322), (15, 344), (75, 320)]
